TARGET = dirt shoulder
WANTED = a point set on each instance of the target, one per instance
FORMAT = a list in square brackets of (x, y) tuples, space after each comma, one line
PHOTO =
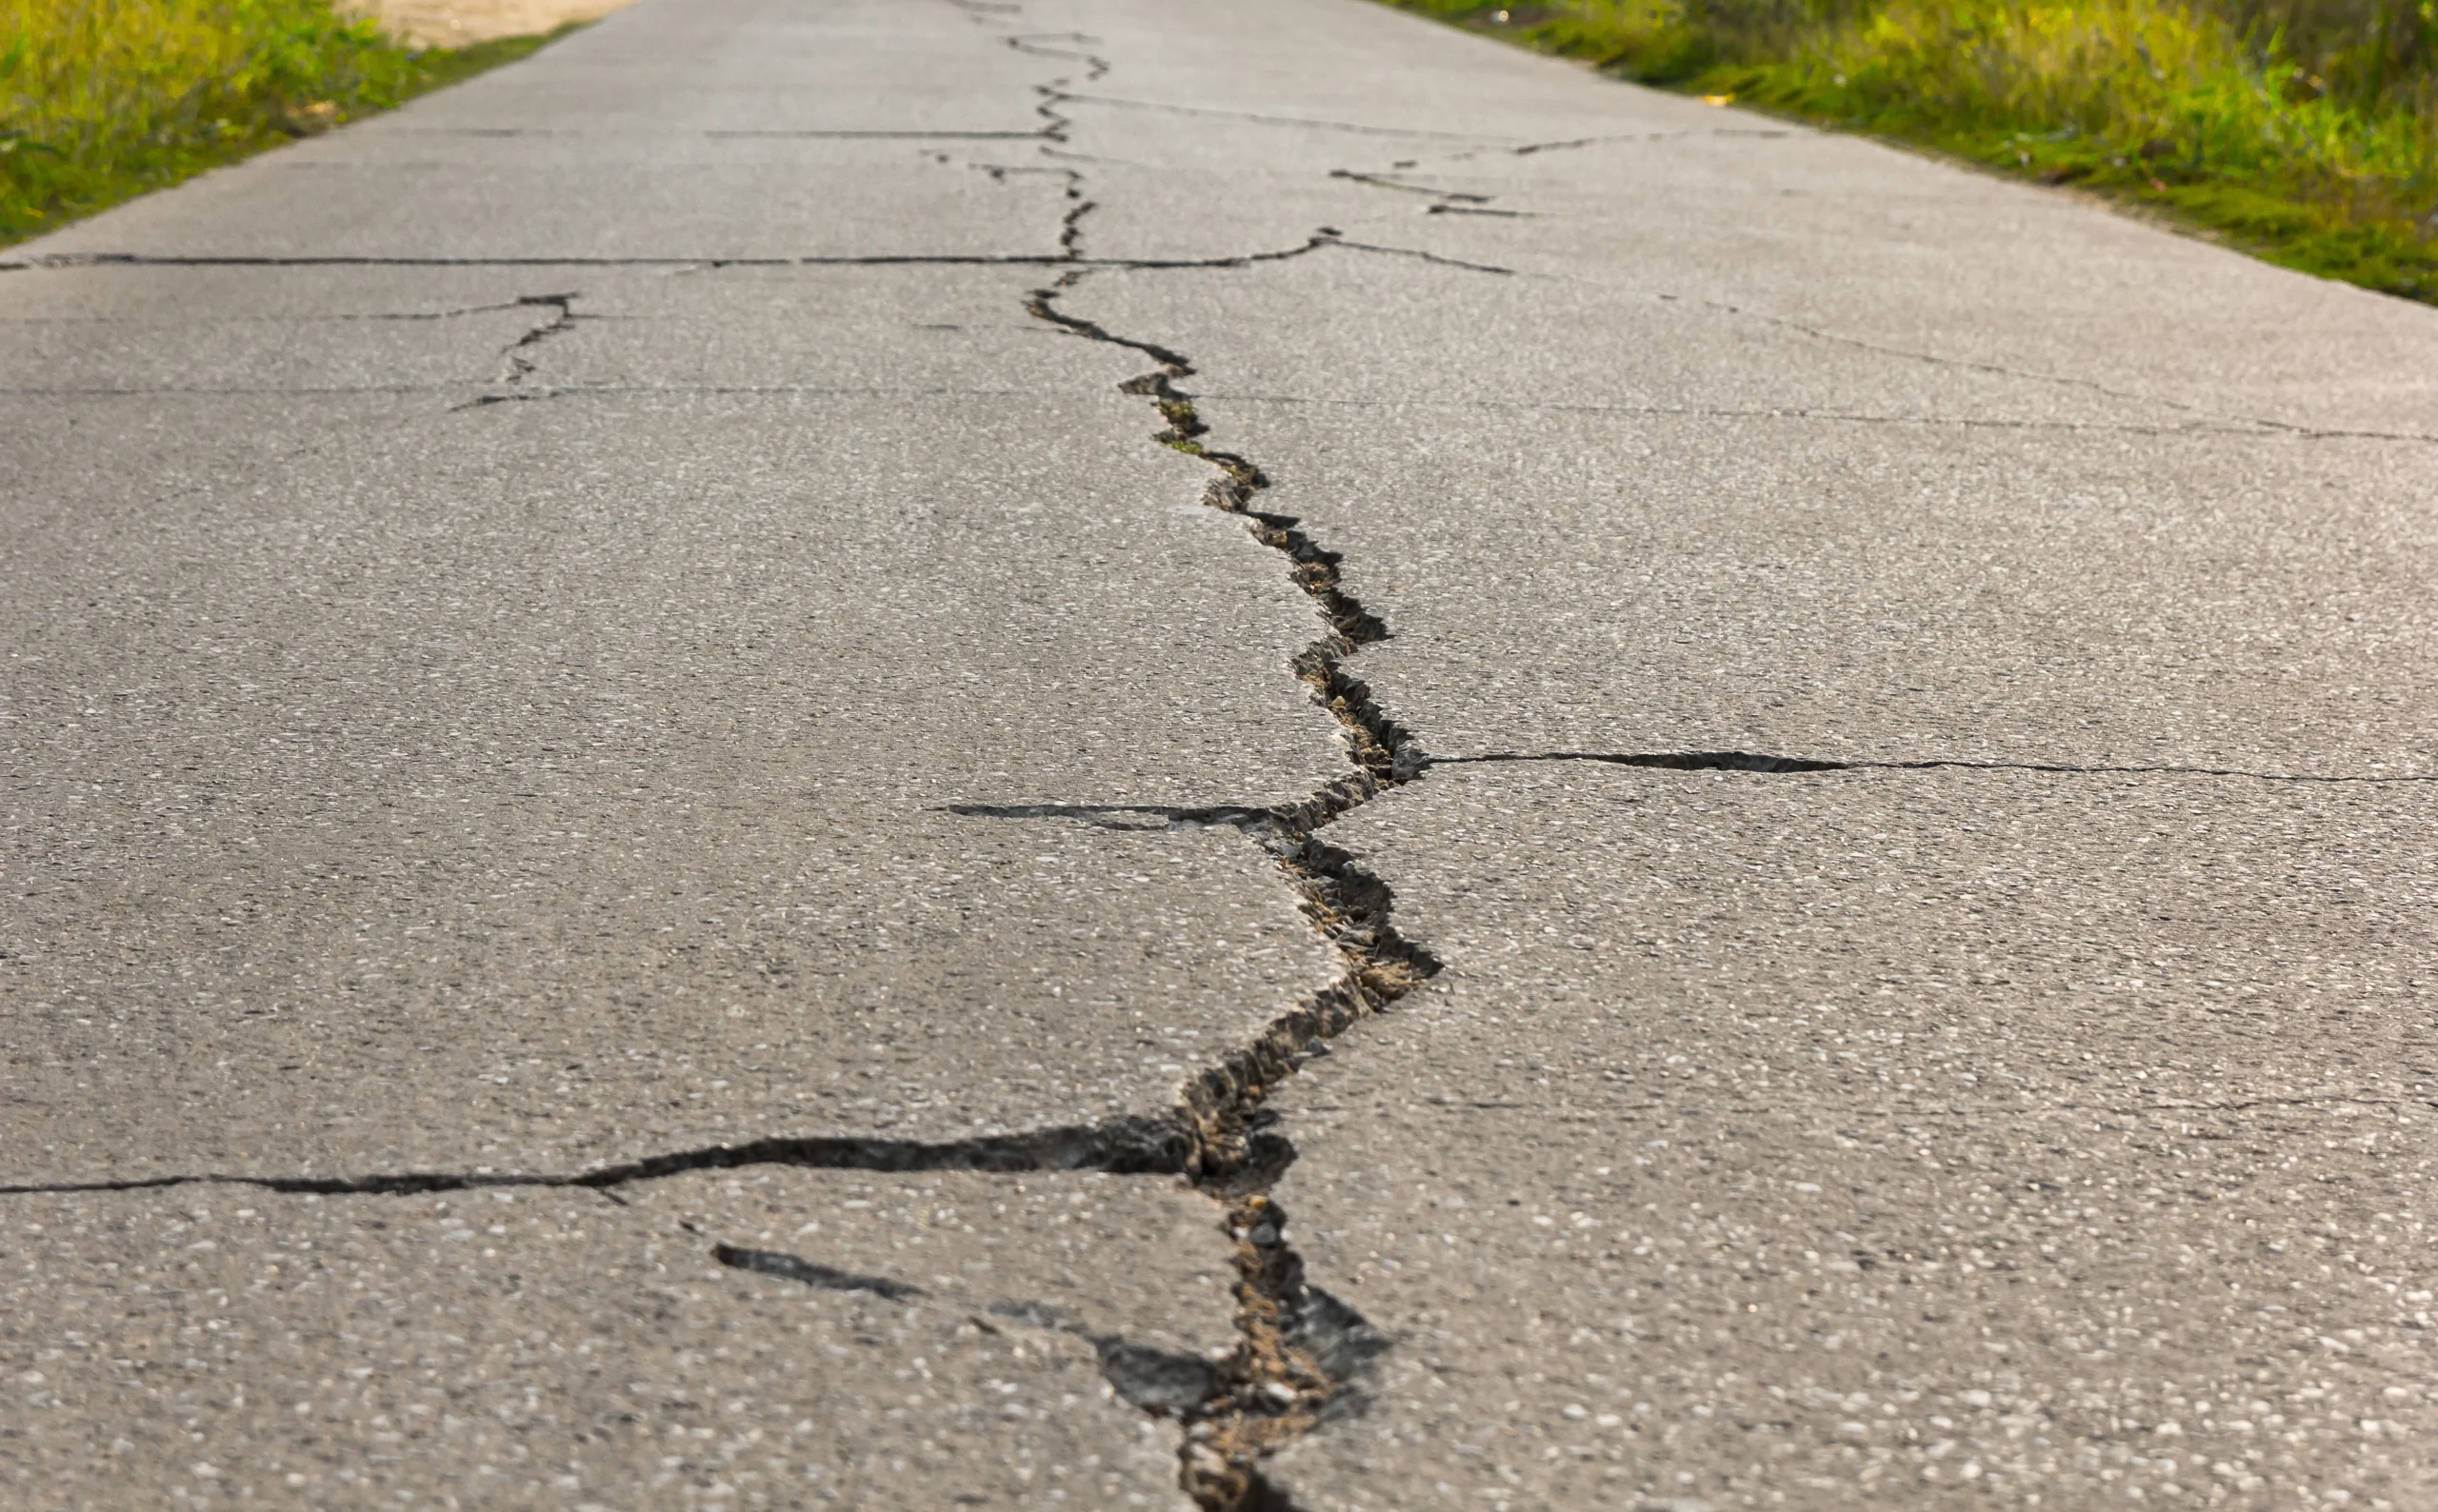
[(457, 23)]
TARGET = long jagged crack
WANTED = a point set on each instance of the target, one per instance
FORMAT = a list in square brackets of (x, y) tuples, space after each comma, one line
[(1306, 123), (1300, 1351), (1127, 1145)]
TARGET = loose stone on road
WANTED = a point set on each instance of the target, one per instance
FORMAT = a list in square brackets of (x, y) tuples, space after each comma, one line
[(1083, 753)]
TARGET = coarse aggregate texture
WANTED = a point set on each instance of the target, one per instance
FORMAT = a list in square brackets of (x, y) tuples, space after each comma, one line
[(333, 795), (217, 1345), (1654, 525), (1859, 1138), (1162, 642), (766, 132)]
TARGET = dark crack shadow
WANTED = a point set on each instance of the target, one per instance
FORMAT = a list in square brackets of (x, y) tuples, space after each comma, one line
[(789, 1267), (1748, 762)]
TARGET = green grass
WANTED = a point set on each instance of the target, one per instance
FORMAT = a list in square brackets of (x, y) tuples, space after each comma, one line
[(2304, 132), (102, 100)]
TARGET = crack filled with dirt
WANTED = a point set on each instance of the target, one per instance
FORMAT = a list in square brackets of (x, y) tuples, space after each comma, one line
[(1300, 1351)]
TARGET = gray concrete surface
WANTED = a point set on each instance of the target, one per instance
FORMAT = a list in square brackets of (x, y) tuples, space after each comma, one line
[(211, 1346), (332, 788), (612, 664), (1867, 1138)]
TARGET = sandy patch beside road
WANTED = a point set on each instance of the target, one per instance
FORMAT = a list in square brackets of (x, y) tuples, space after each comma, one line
[(456, 23)]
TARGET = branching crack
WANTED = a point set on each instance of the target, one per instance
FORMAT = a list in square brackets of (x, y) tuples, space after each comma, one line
[(1055, 95), (2257, 422), (1307, 122), (1070, 225), (519, 360), (1443, 202), (1045, 45), (789, 1267)]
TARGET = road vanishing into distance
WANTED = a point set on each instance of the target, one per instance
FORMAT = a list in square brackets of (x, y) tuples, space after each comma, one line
[(1117, 753)]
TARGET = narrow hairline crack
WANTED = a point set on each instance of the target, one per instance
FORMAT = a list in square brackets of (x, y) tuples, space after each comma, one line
[(2062, 380), (1360, 128), (1749, 761), (1620, 138), (1035, 135), (2200, 426), (1321, 241)]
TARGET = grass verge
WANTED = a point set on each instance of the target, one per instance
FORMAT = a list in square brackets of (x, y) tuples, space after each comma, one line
[(2303, 132), (103, 100)]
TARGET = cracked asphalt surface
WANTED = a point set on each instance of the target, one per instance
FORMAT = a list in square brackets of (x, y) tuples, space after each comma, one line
[(1082, 752)]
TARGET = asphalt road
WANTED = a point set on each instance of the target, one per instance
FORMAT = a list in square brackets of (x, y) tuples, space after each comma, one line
[(1099, 753)]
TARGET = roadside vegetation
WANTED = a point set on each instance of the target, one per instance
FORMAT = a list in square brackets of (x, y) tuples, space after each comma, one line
[(101, 100), (2304, 132)]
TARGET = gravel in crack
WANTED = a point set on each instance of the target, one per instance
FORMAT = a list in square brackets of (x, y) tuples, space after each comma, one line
[(1865, 1136)]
